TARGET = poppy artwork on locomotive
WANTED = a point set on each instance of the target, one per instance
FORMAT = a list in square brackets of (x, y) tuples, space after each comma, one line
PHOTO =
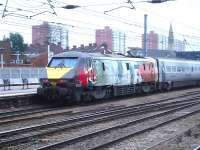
[(147, 72)]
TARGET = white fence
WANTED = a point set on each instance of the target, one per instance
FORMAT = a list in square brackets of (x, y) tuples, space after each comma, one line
[(22, 72), (21, 76)]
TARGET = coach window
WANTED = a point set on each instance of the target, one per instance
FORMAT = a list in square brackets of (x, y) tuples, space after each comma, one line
[(103, 66), (127, 66), (196, 68), (168, 68), (89, 63), (144, 66), (179, 69), (186, 69), (183, 69), (173, 68)]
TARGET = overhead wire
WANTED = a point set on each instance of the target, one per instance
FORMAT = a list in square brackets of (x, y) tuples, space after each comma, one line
[(24, 25), (128, 37), (127, 23), (136, 25)]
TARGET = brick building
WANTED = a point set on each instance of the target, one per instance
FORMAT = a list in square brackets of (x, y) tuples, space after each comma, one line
[(115, 40), (49, 33), (41, 60), (104, 36), (152, 40), (40, 34), (5, 51)]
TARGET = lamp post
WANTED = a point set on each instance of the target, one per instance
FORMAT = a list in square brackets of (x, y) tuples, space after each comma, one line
[(50, 54), (2, 61), (145, 34)]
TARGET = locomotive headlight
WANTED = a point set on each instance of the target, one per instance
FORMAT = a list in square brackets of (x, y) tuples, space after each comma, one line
[(61, 82), (45, 82)]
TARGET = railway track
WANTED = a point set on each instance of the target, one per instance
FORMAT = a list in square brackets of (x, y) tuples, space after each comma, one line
[(29, 114), (24, 134), (25, 111), (89, 139), (17, 100)]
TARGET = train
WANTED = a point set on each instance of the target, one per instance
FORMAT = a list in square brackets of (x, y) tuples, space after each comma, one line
[(80, 76)]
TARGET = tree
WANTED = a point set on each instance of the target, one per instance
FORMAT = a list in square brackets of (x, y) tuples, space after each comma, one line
[(17, 42)]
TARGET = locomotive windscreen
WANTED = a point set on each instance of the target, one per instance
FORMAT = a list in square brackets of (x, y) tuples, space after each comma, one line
[(68, 62)]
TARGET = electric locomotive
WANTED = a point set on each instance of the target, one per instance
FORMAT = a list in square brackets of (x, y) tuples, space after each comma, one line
[(80, 76)]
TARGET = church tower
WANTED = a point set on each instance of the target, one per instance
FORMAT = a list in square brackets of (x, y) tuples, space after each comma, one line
[(171, 39)]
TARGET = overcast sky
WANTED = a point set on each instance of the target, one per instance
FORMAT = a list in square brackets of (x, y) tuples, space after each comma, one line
[(82, 22)]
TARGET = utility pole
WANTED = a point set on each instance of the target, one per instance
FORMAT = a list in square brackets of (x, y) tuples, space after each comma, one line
[(2, 61), (48, 49), (50, 53), (145, 34)]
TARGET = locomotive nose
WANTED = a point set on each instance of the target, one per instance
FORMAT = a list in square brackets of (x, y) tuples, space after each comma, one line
[(57, 73)]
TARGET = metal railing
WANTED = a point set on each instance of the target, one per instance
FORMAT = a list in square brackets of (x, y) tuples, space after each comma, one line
[(22, 72), (21, 76)]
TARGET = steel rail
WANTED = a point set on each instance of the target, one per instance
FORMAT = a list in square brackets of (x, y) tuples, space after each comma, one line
[(18, 113), (125, 113), (142, 131), (87, 136), (95, 114)]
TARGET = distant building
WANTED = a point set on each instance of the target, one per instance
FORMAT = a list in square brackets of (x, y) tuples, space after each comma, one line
[(38, 54), (162, 42), (152, 40), (153, 53), (179, 45), (5, 51), (41, 60), (115, 40), (44, 33), (173, 43)]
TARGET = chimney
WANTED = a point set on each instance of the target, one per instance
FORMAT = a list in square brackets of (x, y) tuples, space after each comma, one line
[(74, 47), (82, 46), (94, 45), (90, 45), (67, 48), (59, 44)]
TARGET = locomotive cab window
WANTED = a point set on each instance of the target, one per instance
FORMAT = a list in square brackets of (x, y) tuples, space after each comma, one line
[(68, 62)]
